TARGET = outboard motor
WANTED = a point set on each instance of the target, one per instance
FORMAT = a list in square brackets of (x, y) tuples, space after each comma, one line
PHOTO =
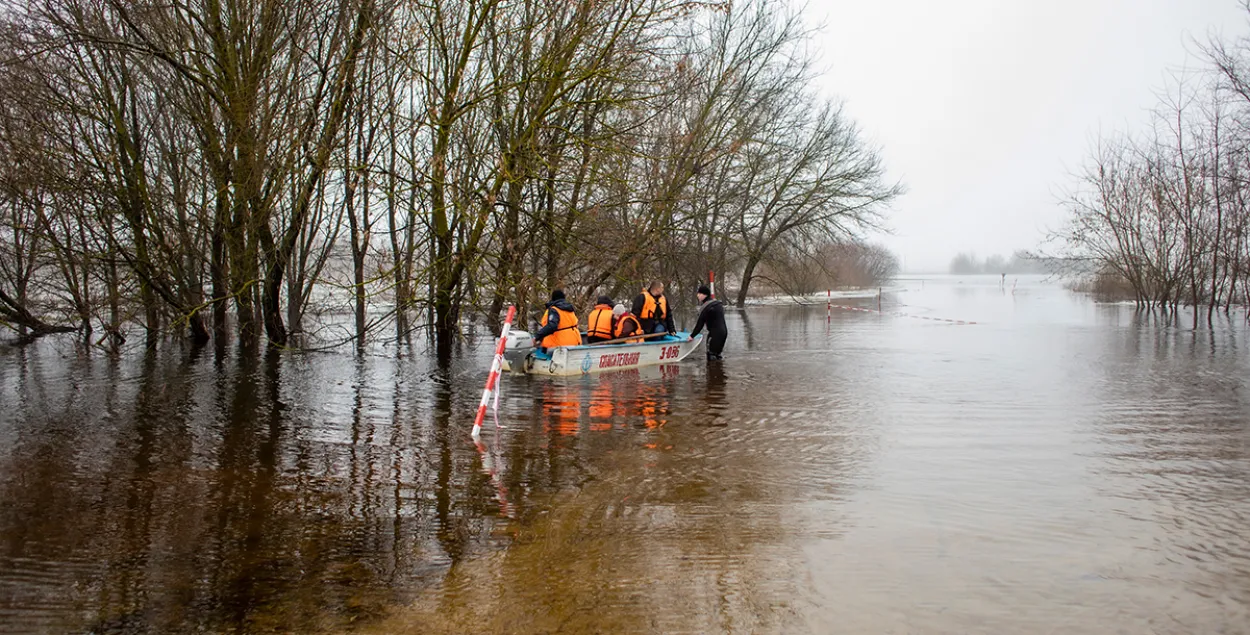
[(516, 346)]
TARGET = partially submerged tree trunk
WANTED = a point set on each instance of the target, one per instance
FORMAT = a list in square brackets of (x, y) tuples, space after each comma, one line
[(15, 314)]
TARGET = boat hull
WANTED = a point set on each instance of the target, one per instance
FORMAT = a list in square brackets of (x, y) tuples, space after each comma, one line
[(590, 359)]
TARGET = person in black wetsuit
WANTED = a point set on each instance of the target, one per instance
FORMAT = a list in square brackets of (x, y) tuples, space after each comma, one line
[(711, 315)]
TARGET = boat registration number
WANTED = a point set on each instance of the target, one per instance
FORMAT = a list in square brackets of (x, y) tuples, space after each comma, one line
[(670, 352)]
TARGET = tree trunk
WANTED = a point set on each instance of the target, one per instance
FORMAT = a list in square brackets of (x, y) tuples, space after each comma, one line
[(243, 275), (12, 310), (199, 331), (444, 325), (271, 305), (358, 257), (294, 295), (219, 271), (747, 274), (509, 254)]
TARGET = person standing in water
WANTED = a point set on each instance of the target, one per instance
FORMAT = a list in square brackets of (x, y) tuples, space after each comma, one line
[(711, 315)]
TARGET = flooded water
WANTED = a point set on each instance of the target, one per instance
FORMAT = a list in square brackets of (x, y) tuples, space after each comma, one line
[(1058, 467)]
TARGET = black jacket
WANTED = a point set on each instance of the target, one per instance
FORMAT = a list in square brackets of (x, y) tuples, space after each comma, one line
[(553, 318), (648, 324), (711, 315)]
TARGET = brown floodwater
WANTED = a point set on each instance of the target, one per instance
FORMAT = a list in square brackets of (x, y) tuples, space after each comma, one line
[(1059, 467)]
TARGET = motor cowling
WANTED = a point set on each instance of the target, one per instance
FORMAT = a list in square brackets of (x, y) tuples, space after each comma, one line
[(518, 340), (516, 346)]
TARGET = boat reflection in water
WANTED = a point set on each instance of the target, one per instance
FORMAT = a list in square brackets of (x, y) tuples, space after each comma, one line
[(1064, 467), (570, 407)]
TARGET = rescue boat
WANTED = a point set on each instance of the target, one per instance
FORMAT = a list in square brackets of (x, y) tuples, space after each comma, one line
[(522, 355)]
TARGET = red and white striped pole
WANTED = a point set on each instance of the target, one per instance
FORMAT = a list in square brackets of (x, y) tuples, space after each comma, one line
[(711, 282), (495, 365)]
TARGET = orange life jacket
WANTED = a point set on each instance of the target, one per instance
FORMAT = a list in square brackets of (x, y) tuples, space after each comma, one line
[(628, 325), (600, 322), (566, 334), (649, 304)]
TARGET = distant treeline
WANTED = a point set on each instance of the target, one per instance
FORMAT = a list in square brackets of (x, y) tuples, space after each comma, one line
[(238, 168), (1020, 262), (833, 265), (1165, 211)]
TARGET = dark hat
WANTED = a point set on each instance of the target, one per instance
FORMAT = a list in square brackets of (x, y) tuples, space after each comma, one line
[(603, 299), (558, 294), (704, 290)]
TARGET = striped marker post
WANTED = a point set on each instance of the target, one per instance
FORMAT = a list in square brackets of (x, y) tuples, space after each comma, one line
[(495, 365), (711, 282)]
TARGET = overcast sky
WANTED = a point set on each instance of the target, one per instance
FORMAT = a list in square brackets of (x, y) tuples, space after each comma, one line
[(984, 107)]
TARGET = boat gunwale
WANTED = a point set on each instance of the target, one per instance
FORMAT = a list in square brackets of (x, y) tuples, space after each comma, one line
[(655, 342), (566, 353)]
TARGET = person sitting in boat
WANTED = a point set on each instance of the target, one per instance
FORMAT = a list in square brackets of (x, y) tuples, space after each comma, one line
[(627, 325), (559, 324), (599, 324), (711, 315), (651, 307)]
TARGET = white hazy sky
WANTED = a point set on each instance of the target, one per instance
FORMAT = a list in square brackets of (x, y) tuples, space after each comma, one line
[(984, 107)]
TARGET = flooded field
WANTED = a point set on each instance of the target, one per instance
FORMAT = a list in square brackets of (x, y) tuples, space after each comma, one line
[(1058, 467)]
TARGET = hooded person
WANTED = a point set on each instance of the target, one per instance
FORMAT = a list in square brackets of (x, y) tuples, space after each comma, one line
[(559, 324), (600, 322), (711, 315), (627, 325)]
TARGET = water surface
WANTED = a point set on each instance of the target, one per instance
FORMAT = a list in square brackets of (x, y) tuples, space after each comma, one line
[(1061, 466)]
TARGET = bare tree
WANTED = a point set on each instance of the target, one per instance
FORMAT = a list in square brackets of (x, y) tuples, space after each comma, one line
[(270, 163), (1165, 211)]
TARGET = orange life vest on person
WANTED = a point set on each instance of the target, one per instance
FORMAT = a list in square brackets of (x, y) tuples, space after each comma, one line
[(600, 322), (566, 334), (649, 304), (628, 325)]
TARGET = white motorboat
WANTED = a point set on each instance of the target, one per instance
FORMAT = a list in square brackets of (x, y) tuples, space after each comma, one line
[(521, 354)]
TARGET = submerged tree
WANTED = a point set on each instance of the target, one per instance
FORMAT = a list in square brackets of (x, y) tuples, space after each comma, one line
[(247, 168), (1165, 212)]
